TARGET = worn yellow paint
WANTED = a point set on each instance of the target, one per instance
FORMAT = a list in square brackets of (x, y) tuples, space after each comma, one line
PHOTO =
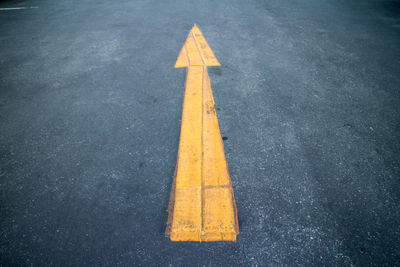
[(202, 205)]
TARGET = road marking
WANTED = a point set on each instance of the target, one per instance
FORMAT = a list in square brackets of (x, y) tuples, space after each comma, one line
[(17, 8), (202, 205)]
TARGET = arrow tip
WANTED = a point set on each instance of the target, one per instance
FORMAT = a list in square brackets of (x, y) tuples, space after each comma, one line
[(196, 51)]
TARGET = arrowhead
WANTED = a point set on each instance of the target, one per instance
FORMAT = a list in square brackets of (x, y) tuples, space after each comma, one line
[(196, 51)]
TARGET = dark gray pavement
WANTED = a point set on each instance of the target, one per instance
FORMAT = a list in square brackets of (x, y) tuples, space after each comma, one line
[(308, 96)]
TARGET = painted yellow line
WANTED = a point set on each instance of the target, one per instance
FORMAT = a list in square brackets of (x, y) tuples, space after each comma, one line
[(202, 205)]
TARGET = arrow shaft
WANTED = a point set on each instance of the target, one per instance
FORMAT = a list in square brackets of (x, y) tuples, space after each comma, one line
[(203, 204)]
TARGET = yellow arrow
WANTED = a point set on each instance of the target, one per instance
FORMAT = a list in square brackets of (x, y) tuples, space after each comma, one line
[(202, 205)]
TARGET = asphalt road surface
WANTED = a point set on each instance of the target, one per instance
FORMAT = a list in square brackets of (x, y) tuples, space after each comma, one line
[(307, 97)]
